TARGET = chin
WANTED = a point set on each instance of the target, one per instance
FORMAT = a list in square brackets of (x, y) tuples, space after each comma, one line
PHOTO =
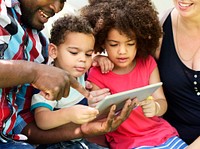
[(31, 25)]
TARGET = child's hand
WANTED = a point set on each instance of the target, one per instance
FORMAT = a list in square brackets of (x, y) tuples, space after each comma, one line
[(81, 114), (150, 107), (103, 62), (97, 96)]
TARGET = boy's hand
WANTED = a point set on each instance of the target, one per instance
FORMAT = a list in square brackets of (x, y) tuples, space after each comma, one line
[(81, 114)]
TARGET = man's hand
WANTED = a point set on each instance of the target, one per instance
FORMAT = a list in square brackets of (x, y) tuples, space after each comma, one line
[(110, 123), (55, 83)]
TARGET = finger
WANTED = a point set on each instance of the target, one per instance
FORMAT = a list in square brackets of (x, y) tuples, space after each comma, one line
[(102, 67), (88, 85), (104, 92), (111, 117), (74, 83)]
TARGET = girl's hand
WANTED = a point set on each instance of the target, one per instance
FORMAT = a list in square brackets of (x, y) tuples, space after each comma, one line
[(97, 96), (103, 62), (150, 107)]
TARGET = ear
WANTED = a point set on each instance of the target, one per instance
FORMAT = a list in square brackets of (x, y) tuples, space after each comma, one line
[(52, 50)]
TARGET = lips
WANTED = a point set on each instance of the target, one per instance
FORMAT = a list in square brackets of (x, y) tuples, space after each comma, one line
[(43, 16), (122, 60), (184, 5), (80, 69)]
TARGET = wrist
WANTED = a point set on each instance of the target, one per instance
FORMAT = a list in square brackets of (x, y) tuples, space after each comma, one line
[(157, 105)]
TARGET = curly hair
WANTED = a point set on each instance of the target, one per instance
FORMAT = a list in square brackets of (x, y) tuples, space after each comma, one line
[(134, 18), (68, 24)]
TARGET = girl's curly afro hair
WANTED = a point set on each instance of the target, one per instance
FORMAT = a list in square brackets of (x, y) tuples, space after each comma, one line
[(134, 18)]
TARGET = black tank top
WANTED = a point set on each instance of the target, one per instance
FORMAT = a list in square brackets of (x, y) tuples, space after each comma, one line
[(181, 87)]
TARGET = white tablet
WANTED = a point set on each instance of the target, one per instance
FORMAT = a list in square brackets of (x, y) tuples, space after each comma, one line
[(119, 99)]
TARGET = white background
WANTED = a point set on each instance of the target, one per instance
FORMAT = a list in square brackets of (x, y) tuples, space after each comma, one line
[(72, 6)]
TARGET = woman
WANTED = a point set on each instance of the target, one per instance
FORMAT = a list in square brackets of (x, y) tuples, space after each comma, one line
[(179, 66)]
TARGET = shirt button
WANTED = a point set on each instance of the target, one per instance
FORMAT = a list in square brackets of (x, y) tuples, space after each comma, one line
[(195, 76), (195, 82), (198, 93)]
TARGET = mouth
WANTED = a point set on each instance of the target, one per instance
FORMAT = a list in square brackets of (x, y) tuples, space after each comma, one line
[(44, 16), (80, 69), (122, 60), (42, 13), (185, 5)]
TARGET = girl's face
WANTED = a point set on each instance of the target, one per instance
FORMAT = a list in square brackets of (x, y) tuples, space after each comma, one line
[(188, 7), (121, 50), (75, 54)]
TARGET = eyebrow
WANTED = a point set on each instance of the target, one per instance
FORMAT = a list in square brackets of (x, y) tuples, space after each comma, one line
[(118, 41), (77, 48)]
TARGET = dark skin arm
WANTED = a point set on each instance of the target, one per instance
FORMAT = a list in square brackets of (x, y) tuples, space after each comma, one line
[(54, 85), (72, 131)]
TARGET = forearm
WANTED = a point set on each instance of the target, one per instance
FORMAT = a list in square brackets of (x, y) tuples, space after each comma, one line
[(57, 118), (15, 72), (63, 133)]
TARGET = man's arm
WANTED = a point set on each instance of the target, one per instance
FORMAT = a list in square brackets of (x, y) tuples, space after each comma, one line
[(66, 132), (73, 131), (52, 81)]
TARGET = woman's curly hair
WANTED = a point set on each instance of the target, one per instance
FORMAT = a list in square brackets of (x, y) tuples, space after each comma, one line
[(68, 24), (134, 18)]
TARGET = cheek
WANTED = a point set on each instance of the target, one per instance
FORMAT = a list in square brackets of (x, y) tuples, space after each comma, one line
[(88, 63)]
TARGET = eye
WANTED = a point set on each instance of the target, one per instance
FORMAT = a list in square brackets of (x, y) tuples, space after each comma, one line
[(73, 53), (113, 45), (88, 55), (131, 44), (62, 1)]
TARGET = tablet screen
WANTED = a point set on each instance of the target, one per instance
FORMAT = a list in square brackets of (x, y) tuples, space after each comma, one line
[(120, 98)]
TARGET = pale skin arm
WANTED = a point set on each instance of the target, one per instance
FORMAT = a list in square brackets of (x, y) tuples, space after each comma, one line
[(158, 105), (195, 144), (54, 85), (72, 131), (157, 53), (78, 114)]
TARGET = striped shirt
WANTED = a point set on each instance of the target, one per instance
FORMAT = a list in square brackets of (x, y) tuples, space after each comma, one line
[(17, 43), (171, 143)]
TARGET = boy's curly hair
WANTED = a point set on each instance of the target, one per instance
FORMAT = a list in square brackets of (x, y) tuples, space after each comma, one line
[(68, 24), (135, 18)]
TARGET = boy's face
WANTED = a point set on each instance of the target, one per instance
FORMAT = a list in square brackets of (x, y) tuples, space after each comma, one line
[(75, 54), (37, 12)]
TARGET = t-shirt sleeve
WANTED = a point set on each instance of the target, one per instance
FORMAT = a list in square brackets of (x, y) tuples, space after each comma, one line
[(39, 101)]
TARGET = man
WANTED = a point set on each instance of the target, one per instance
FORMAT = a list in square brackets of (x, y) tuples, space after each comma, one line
[(23, 53)]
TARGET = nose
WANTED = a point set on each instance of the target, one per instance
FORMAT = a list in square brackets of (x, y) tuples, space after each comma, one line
[(56, 6), (82, 58), (122, 49)]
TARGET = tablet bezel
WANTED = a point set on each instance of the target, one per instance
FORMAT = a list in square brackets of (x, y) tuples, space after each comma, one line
[(120, 98)]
